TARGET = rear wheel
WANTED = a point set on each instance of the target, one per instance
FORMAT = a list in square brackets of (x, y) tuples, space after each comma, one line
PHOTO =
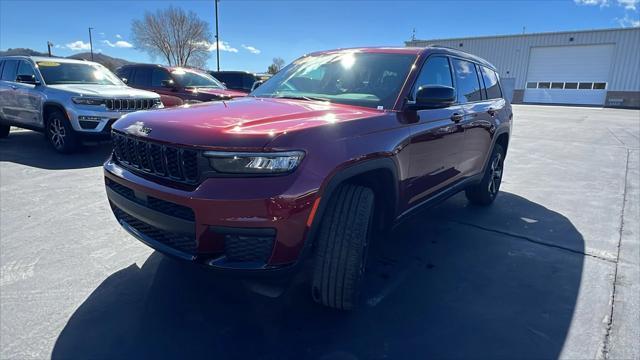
[(341, 247), (4, 130), (486, 191), (60, 134)]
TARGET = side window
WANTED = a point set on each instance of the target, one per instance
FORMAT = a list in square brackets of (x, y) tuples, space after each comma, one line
[(25, 69), (158, 76), (142, 77), (124, 73), (467, 81), (436, 71), (9, 70), (248, 81), (491, 83)]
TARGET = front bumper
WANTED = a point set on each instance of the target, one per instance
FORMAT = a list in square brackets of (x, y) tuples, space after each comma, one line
[(243, 224)]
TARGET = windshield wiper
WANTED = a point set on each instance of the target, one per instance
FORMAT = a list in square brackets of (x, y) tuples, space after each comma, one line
[(301, 97)]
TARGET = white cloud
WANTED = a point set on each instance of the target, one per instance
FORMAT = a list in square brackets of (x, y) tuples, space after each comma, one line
[(118, 44), (78, 46), (629, 4), (601, 3), (118, 36), (251, 49), (224, 46), (628, 21)]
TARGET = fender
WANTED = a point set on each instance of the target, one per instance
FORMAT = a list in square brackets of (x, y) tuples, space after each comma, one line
[(341, 175), (51, 103)]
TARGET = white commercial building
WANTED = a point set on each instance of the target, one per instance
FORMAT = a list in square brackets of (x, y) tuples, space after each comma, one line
[(595, 67)]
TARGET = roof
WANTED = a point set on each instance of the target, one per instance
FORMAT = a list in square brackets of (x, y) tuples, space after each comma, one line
[(520, 35), (46, 58)]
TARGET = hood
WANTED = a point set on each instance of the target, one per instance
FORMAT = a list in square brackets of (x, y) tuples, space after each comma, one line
[(109, 91), (247, 122), (222, 92)]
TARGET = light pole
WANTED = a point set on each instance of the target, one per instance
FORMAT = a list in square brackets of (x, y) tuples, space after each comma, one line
[(91, 43), (217, 37), (49, 45)]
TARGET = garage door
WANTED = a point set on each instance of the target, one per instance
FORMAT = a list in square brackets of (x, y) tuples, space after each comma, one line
[(568, 74)]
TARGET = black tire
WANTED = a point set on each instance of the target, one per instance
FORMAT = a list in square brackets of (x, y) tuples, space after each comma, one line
[(4, 131), (60, 134), (341, 247), (485, 192)]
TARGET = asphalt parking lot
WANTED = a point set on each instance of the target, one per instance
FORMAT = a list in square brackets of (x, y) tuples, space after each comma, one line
[(551, 270)]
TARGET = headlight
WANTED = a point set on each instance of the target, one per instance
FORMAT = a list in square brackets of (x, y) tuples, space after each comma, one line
[(157, 103), (87, 100), (254, 163)]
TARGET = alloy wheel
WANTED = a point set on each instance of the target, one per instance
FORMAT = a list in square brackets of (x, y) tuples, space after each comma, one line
[(496, 174), (57, 133)]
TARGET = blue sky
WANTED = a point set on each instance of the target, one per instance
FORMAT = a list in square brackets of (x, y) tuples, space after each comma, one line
[(253, 32)]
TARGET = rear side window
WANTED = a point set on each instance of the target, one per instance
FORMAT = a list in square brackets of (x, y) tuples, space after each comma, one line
[(436, 71), (142, 77), (231, 80), (124, 73), (158, 76), (491, 83), (467, 81), (9, 70)]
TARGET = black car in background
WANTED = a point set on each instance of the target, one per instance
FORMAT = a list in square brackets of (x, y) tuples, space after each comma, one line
[(239, 80)]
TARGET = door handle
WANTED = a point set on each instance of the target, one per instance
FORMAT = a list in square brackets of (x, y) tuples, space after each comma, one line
[(456, 117)]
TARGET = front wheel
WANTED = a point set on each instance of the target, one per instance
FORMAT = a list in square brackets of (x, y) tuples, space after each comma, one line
[(60, 134), (341, 247), (486, 191)]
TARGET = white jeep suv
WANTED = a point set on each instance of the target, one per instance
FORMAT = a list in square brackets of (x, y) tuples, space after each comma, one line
[(68, 100)]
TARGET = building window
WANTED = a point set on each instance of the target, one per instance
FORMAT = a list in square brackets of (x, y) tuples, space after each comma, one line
[(585, 86), (570, 85), (544, 85), (557, 85), (532, 85), (599, 86)]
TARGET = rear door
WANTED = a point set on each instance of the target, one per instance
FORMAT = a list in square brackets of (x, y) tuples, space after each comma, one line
[(476, 118), (437, 139), (8, 94)]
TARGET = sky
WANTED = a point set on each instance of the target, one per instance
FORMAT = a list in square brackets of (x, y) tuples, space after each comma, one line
[(252, 33)]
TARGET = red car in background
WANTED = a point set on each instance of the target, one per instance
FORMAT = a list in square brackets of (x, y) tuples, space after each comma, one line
[(175, 85)]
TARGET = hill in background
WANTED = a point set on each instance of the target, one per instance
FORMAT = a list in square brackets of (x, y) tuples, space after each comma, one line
[(109, 62)]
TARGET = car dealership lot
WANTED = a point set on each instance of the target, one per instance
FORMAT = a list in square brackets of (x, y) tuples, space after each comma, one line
[(533, 276)]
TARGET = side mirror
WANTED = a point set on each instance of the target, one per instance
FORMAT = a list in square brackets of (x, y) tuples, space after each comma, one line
[(433, 97), (168, 84), (125, 80), (27, 79), (256, 84)]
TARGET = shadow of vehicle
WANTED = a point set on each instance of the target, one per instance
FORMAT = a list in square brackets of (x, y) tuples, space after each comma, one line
[(437, 288), (31, 148)]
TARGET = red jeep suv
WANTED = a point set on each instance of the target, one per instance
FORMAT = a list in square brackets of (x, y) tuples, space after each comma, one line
[(336, 147), (175, 85)]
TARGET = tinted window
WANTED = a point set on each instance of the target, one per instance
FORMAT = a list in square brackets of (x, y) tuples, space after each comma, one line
[(544, 85), (248, 81), (436, 71), (142, 77), (9, 70), (158, 76), (585, 86), (124, 73), (467, 81), (231, 80), (491, 84), (25, 69), (532, 85), (571, 85), (599, 86)]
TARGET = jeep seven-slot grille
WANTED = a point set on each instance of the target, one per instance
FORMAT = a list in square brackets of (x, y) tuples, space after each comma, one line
[(129, 104), (166, 161)]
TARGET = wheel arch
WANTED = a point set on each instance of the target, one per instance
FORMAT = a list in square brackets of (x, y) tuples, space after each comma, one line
[(379, 174), (48, 107)]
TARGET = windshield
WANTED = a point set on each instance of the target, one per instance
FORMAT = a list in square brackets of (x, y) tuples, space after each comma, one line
[(58, 73), (187, 78), (347, 77)]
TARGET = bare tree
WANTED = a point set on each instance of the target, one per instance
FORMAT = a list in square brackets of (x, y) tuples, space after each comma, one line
[(180, 38), (278, 63)]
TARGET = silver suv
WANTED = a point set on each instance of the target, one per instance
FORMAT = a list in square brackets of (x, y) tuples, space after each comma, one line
[(68, 100)]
